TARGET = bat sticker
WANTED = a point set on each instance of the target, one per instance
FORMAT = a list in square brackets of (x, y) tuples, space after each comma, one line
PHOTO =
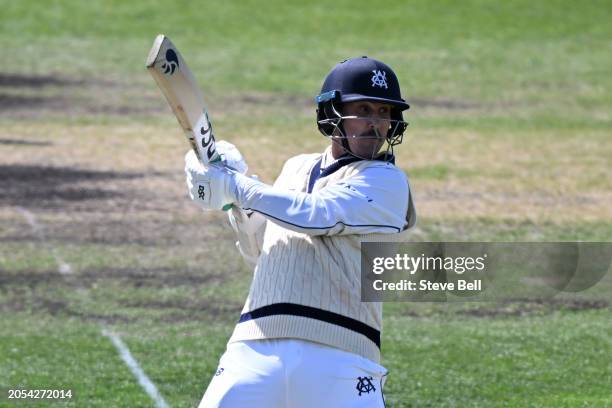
[(208, 139), (171, 63)]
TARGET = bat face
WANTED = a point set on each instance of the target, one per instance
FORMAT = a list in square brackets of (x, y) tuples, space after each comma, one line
[(179, 86)]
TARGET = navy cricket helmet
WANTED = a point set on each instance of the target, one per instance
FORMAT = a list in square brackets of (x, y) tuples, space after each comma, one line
[(358, 79)]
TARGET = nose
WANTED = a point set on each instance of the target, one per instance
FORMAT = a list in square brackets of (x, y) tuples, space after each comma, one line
[(375, 120)]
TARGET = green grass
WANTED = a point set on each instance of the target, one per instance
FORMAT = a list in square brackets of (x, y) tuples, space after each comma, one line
[(506, 230), (509, 140), (437, 353), (505, 362), (40, 352), (517, 62), (432, 361)]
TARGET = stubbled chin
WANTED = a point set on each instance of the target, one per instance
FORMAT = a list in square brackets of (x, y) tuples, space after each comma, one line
[(367, 150), (369, 153)]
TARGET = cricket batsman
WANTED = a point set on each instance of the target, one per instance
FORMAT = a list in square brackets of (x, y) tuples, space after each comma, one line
[(304, 339)]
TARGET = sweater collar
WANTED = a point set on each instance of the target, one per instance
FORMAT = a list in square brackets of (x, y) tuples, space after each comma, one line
[(326, 165)]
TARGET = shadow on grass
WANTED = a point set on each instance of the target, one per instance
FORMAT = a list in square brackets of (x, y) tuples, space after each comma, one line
[(532, 307), (44, 186), (49, 95), (17, 142), (45, 292), (127, 277), (35, 81)]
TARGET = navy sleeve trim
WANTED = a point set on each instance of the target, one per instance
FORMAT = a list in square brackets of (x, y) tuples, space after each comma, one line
[(324, 228)]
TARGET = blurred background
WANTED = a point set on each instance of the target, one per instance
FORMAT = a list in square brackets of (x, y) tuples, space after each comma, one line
[(509, 140)]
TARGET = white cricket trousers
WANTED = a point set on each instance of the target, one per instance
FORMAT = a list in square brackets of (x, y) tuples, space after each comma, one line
[(292, 373)]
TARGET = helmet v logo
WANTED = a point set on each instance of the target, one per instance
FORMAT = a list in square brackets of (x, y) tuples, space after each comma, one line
[(379, 79)]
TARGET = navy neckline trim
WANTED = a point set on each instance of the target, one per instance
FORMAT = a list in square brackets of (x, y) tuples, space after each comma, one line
[(293, 309), (316, 173)]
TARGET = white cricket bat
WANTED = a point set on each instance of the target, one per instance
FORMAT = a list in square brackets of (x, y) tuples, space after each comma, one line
[(179, 86)]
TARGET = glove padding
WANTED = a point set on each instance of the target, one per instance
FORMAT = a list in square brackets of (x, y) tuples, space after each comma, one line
[(212, 187), (231, 156)]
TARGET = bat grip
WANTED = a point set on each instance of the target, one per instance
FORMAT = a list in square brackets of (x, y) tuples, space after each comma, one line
[(226, 207)]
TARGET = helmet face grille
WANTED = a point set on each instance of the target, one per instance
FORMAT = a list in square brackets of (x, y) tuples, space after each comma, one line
[(332, 127), (354, 80)]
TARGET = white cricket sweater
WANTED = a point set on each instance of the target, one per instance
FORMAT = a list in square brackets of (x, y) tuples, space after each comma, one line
[(307, 280)]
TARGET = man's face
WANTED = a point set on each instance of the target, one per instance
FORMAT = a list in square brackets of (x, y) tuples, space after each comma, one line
[(366, 135)]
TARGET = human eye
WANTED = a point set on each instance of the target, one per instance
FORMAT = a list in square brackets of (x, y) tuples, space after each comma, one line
[(364, 110), (385, 110)]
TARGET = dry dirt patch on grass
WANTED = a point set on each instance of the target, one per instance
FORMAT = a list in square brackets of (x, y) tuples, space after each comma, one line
[(24, 96), (555, 176)]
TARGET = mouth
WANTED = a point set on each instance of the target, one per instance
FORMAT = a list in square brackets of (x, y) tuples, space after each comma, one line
[(368, 135)]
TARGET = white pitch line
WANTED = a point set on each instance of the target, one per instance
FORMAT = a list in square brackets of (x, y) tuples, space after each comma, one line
[(131, 362), (124, 352), (62, 267)]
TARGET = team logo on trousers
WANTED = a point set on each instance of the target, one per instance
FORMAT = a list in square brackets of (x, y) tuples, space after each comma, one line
[(379, 79), (364, 385)]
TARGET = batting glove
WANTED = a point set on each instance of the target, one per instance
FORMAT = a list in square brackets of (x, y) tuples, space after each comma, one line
[(212, 187), (231, 156)]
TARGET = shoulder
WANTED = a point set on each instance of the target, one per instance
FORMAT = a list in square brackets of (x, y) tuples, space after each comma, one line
[(294, 163), (383, 174), (294, 167), (303, 158)]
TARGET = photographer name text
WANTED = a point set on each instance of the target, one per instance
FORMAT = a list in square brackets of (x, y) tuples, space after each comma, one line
[(428, 286), (428, 265)]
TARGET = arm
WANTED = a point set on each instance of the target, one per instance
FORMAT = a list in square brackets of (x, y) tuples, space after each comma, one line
[(372, 201), (375, 200), (249, 227)]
